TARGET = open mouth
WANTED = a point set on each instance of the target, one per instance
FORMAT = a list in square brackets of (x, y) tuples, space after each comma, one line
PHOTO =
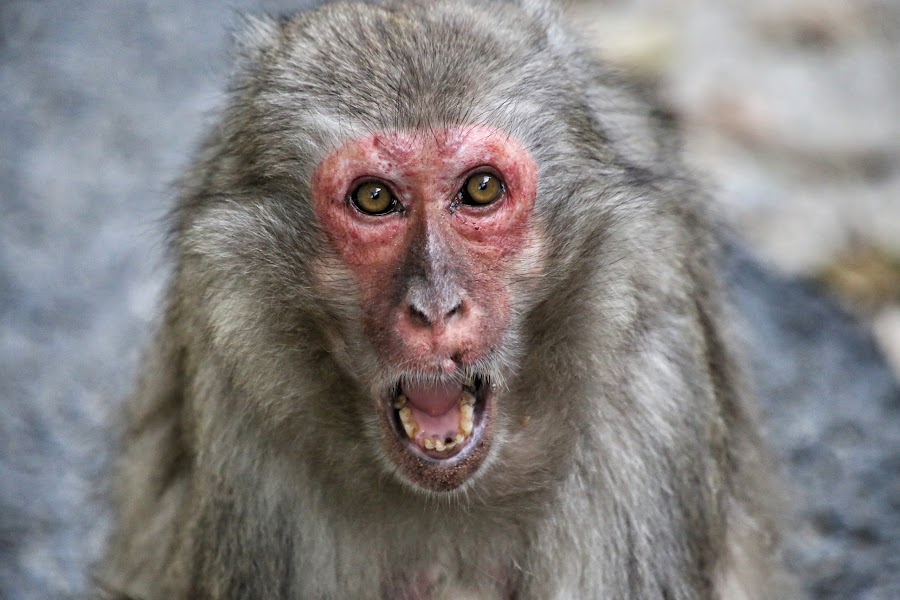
[(439, 419), (441, 429)]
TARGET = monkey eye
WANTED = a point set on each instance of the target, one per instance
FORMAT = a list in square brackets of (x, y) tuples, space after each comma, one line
[(481, 189), (373, 198)]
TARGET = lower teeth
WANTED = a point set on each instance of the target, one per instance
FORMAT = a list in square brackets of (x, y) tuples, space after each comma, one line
[(443, 445)]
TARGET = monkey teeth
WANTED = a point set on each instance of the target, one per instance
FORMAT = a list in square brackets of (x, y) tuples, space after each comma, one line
[(467, 414), (440, 443), (407, 420)]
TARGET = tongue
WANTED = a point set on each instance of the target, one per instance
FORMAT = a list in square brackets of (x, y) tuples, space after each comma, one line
[(433, 399)]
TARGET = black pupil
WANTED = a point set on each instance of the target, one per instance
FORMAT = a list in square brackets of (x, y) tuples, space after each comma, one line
[(485, 180), (375, 193)]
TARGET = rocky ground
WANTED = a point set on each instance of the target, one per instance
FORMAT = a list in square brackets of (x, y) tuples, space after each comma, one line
[(791, 111)]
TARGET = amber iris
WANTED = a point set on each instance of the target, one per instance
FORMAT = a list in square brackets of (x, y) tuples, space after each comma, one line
[(481, 189), (373, 198)]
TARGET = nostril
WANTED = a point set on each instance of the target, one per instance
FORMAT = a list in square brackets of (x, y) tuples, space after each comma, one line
[(419, 316), (455, 310), (431, 316)]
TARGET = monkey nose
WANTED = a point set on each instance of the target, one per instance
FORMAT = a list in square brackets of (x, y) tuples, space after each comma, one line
[(436, 324), (435, 314), (437, 331)]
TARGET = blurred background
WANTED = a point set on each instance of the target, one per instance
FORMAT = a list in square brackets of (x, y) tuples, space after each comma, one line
[(791, 113)]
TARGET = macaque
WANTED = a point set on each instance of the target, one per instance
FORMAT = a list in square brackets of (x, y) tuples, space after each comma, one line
[(446, 321)]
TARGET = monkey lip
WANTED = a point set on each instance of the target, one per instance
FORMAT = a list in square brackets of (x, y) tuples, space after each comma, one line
[(440, 431)]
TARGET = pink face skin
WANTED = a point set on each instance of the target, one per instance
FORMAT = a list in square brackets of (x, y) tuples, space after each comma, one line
[(471, 245)]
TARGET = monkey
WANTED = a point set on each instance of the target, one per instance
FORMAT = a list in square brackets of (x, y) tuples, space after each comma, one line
[(446, 320)]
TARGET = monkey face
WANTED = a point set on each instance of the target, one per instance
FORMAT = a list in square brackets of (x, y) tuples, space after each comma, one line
[(432, 227), (387, 222)]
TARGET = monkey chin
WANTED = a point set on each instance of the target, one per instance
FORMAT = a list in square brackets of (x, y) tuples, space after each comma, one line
[(439, 462)]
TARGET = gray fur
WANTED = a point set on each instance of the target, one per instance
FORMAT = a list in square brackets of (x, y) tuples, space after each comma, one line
[(626, 463)]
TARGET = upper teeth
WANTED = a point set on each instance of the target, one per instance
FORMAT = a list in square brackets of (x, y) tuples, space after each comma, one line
[(466, 415), (408, 422)]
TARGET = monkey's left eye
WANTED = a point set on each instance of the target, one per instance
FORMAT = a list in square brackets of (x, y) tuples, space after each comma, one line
[(481, 189), (373, 198)]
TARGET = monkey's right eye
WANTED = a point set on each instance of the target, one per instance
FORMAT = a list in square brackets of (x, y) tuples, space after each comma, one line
[(373, 198)]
